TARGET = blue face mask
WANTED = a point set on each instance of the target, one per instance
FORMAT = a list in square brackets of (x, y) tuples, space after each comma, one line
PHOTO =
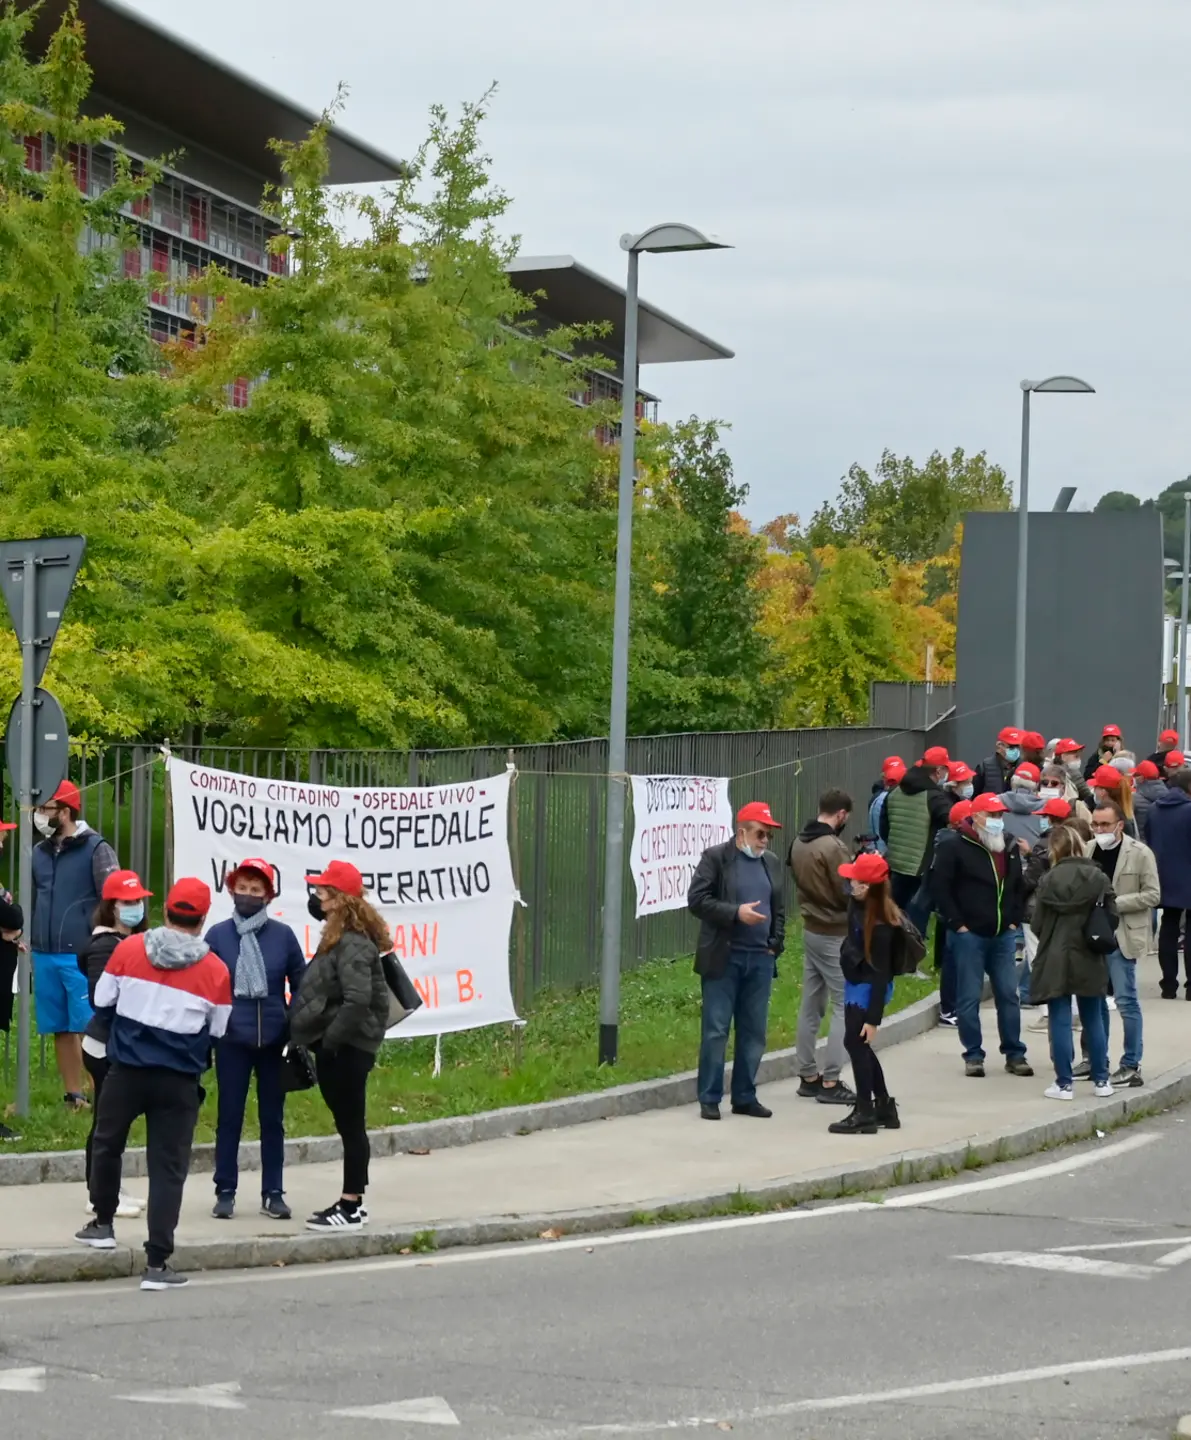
[(1013, 753), (131, 916), (965, 792), (1043, 824), (994, 825)]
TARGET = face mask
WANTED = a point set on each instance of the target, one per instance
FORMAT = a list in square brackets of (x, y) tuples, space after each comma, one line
[(1107, 842), (130, 916), (248, 905), (1073, 765), (1013, 753), (750, 852), (1050, 792), (1043, 824), (965, 792), (994, 825), (315, 906), (43, 823)]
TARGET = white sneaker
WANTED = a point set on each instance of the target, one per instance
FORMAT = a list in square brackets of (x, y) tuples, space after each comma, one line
[(1039, 1022), (1112, 1004), (1059, 1092), (129, 1207), (1104, 1091)]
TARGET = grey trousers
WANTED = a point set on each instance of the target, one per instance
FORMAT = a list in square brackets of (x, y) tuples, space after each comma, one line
[(822, 980)]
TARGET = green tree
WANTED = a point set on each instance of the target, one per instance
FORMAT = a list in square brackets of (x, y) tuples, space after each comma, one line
[(1118, 500)]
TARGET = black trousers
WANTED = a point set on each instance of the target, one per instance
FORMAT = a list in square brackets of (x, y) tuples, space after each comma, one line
[(8, 968), (1168, 952), (98, 1069), (343, 1082), (170, 1102), (868, 1079)]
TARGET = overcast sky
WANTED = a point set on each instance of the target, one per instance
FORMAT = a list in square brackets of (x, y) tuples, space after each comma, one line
[(930, 200)]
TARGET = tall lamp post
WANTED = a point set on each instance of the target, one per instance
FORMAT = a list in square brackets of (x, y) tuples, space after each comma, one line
[(1186, 578), (1056, 385), (657, 240)]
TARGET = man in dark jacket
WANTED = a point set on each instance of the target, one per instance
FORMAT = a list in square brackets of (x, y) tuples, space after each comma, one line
[(993, 772), (1148, 784), (979, 893), (736, 892), (915, 812), (1168, 740), (1111, 740), (69, 868), (1168, 834), (265, 960), (815, 858)]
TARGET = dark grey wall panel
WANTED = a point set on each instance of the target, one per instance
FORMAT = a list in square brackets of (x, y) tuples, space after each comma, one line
[(1094, 649)]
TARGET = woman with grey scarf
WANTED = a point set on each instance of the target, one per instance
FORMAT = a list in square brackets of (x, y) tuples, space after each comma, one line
[(266, 964)]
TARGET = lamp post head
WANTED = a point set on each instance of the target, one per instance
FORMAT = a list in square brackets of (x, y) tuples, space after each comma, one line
[(1059, 385), (671, 235)]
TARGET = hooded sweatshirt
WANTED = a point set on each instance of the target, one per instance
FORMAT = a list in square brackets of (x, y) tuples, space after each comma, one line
[(165, 997), (1145, 792), (1168, 834), (815, 858), (1063, 901), (1021, 810)]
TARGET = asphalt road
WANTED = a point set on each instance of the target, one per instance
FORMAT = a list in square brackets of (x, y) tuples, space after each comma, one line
[(792, 1328)]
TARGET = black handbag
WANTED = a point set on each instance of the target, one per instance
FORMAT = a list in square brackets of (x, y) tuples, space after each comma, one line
[(1100, 930), (403, 993), (297, 1070)]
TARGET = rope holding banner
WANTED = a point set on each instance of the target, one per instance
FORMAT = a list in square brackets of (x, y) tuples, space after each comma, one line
[(437, 1071)]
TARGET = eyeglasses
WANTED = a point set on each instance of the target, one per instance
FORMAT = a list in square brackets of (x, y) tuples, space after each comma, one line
[(1103, 827)]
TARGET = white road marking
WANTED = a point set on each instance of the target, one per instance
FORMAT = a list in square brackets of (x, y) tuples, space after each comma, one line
[(521, 1250), (426, 1410), (1114, 1245), (207, 1397), (30, 1381), (908, 1392), (1176, 1257), (1068, 1264)]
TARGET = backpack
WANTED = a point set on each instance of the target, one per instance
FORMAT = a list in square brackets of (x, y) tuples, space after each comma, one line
[(909, 948), (1100, 930)]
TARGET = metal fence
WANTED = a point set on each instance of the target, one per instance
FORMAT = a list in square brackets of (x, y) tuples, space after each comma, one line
[(908, 703), (556, 818)]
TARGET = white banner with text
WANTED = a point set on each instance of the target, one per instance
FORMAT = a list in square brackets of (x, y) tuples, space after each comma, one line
[(435, 861), (675, 818)]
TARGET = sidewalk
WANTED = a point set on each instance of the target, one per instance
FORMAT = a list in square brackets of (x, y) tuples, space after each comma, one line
[(638, 1161)]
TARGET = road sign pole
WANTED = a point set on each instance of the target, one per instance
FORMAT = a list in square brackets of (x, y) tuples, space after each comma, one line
[(28, 688)]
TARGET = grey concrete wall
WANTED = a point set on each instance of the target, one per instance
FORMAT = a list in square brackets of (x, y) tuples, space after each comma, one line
[(1094, 649)]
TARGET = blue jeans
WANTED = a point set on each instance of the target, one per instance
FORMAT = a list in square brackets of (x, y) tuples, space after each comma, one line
[(994, 956), (1062, 1043), (234, 1068), (1123, 974), (919, 909), (740, 994), (947, 1000), (1023, 981)]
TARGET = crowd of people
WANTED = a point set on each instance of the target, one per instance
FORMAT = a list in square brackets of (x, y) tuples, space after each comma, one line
[(145, 1012), (1045, 870)]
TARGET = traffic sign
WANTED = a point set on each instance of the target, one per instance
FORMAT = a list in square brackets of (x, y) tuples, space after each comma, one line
[(51, 745), (56, 562)]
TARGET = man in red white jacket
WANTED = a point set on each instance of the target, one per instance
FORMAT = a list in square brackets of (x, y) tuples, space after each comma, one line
[(167, 997)]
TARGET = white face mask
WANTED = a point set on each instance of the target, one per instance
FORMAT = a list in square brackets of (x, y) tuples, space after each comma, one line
[(1050, 792), (1073, 765), (42, 823), (1109, 841), (966, 791)]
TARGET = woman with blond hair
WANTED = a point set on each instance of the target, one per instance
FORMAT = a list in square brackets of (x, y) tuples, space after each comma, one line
[(340, 1015)]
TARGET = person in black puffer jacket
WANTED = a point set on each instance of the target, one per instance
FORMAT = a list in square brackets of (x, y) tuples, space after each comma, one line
[(341, 1015), (120, 912)]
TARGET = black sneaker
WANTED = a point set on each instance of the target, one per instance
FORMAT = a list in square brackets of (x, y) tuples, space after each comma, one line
[(275, 1208), (225, 1205), (1082, 1071), (837, 1094), (1127, 1078), (709, 1112), (859, 1122), (161, 1277), (755, 1109), (809, 1089), (974, 1069), (887, 1116), (97, 1236), (1019, 1065), (343, 1215), (7, 1134)]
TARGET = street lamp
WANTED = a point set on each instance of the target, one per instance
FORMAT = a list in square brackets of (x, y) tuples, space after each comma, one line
[(657, 240), (1056, 385), (1186, 579)]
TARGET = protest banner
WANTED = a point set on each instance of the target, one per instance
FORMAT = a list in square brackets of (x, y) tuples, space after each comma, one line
[(675, 818), (435, 862)]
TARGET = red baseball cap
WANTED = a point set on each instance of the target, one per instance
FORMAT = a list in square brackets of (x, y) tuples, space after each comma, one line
[(1033, 740), (1106, 777), (936, 756), (868, 868), (1147, 770), (893, 767), (1168, 737), (9, 825), (756, 812), (959, 811), (124, 885), (340, 875), (1059, 809), (1010, 735), (260, 868), (190, 897), (1175, 759), (1111, 730), (958, 772), (1028, 771), (988, 804), (1068, 747), (68, 794)]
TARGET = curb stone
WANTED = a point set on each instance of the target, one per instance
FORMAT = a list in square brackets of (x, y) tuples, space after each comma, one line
[(66, 1166), (26, 1267)]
